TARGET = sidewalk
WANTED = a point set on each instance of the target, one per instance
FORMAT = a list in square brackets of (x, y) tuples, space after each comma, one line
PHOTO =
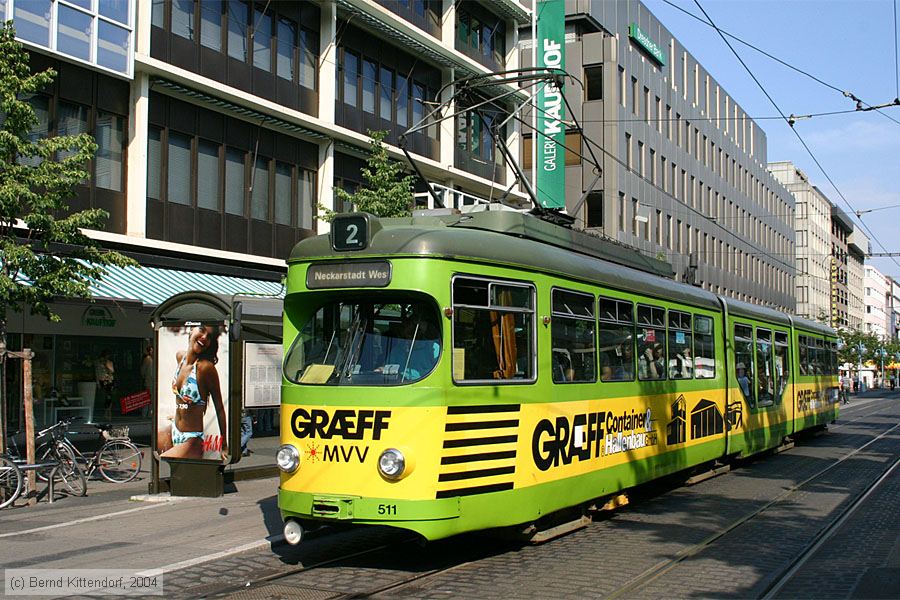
[(106, 530)]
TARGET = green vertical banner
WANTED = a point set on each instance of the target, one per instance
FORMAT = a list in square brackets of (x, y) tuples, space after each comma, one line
[(551, 137)]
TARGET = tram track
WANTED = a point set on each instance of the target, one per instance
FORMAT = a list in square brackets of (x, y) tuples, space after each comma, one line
[(399, 567), (654, 574)]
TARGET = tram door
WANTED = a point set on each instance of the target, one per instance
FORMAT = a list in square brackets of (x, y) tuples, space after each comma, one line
[(784, 390)]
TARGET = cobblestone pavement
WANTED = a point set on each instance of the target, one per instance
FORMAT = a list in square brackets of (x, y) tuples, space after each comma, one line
[(860, 561)]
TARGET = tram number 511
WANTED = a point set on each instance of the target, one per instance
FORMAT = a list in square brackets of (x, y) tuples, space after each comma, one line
[(387, 509)]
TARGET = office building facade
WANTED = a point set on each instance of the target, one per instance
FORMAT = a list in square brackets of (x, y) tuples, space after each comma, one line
[(857, 250), (224, 125), (681, 170)]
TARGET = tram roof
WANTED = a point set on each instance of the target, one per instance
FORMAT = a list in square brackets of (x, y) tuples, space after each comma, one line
[(522, 240), (519, 240)]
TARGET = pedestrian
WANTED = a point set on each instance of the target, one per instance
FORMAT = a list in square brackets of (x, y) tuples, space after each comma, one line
[(147, 374), (246, 431), (845, 389), (105, 372)]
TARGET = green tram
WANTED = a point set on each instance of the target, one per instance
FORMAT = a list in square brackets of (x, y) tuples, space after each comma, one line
[(460, 372)]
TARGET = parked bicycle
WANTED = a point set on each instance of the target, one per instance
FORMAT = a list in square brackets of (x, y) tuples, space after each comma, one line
[(50, 461), (11, 481), (117, 460)]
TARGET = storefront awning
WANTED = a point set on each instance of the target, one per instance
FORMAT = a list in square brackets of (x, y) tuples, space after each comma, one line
[(153, 285)]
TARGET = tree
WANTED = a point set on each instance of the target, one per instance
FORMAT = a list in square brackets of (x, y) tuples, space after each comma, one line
[(852, 339), (44, 252), (386, 193)]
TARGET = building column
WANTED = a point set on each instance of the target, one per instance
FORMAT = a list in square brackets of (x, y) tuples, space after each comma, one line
[(514, 137), (327, 97), (448, 126), (327, 61), (136, 153), (325, 183)]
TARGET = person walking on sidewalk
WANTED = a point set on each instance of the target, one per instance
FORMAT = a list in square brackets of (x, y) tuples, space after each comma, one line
[(246, 431), (845, 389)]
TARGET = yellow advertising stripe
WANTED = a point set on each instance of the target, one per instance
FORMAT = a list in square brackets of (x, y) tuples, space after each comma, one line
[(476, 464), (490, 436), (507, 449), (453, 481), (492, 417)]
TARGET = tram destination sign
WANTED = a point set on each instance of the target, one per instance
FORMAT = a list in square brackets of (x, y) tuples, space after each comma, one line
[(350, 274)]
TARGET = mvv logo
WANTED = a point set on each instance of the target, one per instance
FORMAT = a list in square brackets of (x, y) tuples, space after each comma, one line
[(344, 454)]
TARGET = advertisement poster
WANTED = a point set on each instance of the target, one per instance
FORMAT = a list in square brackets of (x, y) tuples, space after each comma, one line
[(192, 391), (262, 375)]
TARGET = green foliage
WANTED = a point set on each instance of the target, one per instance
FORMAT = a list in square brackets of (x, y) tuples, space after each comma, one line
[(852, 339), (386, 193), (43, 254)]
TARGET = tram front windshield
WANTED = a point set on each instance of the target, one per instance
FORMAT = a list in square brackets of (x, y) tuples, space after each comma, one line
[(366, 343)]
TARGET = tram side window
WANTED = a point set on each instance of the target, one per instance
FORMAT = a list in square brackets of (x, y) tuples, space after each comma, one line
[(743, 361), (681, 362), (493, 330), (803, 352), (833, 358), (616, 340), (821, 361), (765, 385), (782, 365), (651, 340), (704, 348), (572, 334)]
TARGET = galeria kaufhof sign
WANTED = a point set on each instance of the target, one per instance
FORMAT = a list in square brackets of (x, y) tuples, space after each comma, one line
[(646, 43)]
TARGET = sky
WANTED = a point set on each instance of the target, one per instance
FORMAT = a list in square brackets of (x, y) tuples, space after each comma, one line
[(849, 45)]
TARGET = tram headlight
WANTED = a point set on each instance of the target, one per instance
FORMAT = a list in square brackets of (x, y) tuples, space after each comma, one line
[(392, 464), (288, 458)]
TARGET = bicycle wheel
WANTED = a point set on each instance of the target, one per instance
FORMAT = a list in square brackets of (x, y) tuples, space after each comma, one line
[(63, 453), (119, 461), (74, 480), (10, 482)]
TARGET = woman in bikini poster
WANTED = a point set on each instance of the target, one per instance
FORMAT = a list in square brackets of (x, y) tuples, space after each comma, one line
[(192, 380)]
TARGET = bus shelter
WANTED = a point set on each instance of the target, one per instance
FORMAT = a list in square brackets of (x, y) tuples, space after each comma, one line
[(214, 354)]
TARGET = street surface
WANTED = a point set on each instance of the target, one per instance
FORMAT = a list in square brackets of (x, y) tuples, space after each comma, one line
[(693, 541)]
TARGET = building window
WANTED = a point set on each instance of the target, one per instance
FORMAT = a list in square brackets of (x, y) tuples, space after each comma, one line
[(110, 158), (246, 197), (96, 34), (183, 18), (211, 24), (593, 77), (178, 177), (480, 34), (208, 175)]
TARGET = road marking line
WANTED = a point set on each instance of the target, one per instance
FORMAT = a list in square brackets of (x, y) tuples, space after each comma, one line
[(79, 521), (210, 557)]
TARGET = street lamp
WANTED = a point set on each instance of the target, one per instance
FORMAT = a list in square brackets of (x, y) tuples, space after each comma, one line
[(861, 349), (882, 353)]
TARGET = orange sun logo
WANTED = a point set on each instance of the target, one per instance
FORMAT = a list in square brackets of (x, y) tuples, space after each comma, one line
[(312, 452)]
